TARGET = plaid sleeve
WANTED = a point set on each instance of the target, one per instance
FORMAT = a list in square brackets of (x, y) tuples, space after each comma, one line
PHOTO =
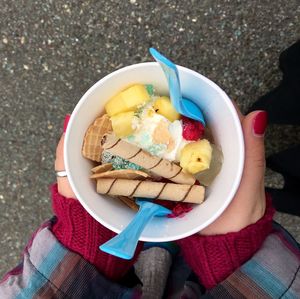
[(49, 270), (273, 272)]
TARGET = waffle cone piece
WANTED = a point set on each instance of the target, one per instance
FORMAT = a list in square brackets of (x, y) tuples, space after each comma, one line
[(102, 168), (156, 165), (91, 148), (148, 189)]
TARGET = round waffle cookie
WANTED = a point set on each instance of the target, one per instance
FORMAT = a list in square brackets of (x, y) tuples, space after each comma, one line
[(91, 148)]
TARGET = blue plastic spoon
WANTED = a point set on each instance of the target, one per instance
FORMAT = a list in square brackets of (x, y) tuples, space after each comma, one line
[(183, 106), (124, 244)]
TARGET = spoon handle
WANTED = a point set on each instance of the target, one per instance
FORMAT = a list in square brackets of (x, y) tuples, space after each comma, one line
[(182, 106), (171, 73), (124, 244)]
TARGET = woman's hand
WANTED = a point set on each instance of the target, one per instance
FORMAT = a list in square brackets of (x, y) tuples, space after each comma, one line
[(249, 203), (63, 185)]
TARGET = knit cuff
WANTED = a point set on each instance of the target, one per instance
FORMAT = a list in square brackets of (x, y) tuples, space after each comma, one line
[(81, 233), (213, 258)]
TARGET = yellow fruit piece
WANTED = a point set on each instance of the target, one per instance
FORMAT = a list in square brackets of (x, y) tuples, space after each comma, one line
[(163, 106), (127, 100), (196, 156), (122, 124)]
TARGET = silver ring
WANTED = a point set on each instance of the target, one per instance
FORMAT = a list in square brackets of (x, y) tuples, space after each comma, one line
[(61, 173)]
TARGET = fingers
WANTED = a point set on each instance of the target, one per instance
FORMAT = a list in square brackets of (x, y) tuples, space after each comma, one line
[(64, 188), (254, 126), (248, 205), (67, 118), (63, 185), (59, 160)]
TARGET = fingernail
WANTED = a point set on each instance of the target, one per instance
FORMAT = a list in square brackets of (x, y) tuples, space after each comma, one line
[(260, 123), (67, 118)]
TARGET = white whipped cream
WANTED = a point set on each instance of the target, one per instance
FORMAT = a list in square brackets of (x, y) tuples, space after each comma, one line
[(175, 129)]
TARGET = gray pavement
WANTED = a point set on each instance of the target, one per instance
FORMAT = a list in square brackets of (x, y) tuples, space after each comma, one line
[(51, 52)]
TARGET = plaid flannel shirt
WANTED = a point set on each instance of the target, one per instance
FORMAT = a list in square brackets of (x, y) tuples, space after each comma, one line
[(49, 270)]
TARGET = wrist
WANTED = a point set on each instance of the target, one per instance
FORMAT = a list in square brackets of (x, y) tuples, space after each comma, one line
[(215, 257), (81, 233)]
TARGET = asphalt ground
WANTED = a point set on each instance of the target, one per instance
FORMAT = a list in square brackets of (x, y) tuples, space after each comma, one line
[(51, 52)]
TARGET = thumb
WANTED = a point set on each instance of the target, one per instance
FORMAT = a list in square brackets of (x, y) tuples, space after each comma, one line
[(248, 204), (254, 126)]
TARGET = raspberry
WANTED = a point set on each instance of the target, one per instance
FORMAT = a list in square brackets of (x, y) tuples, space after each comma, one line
[(178, 209), (191, 129)]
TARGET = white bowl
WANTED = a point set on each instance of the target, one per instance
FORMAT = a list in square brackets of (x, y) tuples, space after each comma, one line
[(222, 118)]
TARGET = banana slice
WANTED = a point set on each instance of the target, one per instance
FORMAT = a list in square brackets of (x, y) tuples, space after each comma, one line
[(196, 156)]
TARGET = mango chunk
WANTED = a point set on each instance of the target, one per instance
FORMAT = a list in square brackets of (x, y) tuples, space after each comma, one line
[(164, 107), (127, 100), (122, 123)]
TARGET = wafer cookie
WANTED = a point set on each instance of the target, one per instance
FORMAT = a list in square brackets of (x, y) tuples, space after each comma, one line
[(149, 189), (158, 166)]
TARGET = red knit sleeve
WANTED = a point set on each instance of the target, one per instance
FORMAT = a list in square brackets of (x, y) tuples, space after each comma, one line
[(213, 258), (81, 233)]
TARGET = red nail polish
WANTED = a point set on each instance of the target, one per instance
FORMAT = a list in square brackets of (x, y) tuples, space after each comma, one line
[(67, 118), (260, 123)]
